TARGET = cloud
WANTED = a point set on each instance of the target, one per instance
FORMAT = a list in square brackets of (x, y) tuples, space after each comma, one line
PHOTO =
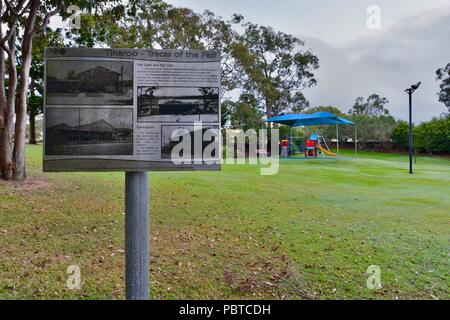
[(386, 63)]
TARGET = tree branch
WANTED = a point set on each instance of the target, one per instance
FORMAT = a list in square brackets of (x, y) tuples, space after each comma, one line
[(15, 11), (13, 24), (5, 39), (46, 20)]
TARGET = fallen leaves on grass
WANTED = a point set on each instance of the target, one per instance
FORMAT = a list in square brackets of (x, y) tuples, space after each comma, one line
[(277, 277), (32, 184)]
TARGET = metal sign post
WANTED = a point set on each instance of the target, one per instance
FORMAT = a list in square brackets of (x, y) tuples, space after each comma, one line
[(137, 253)]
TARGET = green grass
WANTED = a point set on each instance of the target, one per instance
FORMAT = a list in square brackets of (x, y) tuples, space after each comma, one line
[(311, 231)]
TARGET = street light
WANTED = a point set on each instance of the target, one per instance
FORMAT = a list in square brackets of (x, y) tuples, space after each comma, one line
[(410, 92)]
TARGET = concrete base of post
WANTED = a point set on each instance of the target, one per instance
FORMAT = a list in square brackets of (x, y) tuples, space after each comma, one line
[(137, 253)]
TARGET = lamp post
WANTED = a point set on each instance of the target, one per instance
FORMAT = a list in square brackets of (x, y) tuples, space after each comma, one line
[(410, 92)]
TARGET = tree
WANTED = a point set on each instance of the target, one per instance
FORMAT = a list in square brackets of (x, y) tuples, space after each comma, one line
[(374, 129), (373, 106), (245, 113), (24, 20), (443, 75), (373, 119), (274, 69), (48, 38), (433, 136), (334, 110), (400, 135), (7, 97)]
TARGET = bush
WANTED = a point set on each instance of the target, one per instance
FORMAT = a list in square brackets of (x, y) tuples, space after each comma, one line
[(377, 129), (400, 135), (430, 137)]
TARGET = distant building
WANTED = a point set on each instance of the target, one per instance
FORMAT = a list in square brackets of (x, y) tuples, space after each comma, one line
[(95, 80), (167, 147), (151, 106), (99, 74), (95, 132)]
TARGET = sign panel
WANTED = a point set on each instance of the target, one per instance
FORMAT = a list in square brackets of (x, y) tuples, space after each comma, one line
[(131, 110)]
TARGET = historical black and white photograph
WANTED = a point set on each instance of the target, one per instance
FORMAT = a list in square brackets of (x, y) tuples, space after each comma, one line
[(83, 82), (167, 144), (178, 104), (89, 131)]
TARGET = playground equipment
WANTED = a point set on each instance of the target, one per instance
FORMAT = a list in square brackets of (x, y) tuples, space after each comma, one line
[(327, 152), (311, 146), (284, 148), (314, 147)]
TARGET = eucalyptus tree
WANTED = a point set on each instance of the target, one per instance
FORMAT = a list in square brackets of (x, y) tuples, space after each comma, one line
[(275, 68), (373, 119), (374, 105), (20, 22), (443, 75)]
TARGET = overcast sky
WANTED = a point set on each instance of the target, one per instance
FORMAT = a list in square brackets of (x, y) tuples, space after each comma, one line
[(411, 45)]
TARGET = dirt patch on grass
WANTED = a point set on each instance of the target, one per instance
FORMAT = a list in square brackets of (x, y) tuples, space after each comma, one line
[(212, 263), (31, 184)]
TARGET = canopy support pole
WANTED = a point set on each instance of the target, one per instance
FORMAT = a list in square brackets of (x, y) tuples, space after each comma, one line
[(356, 139), (337, 139), (290, 144)]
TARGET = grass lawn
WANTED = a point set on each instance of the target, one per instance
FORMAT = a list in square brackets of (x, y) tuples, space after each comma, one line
[(309, 232)]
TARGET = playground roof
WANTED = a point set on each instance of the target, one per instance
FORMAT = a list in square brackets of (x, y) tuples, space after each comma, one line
[(316, 119)]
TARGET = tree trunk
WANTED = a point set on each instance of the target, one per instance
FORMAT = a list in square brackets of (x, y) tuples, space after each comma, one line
[(268, 112), (32, 139), (7, 166), (5, 154), (21, 110), (32, 114), (269, 126), (3, 145)]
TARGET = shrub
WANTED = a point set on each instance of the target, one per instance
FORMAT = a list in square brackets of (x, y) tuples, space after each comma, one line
[(400, 135), (430, 137)]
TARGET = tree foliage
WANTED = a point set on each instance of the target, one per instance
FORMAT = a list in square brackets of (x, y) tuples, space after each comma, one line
[(400, 135), (374, 105), (35, 107), (430, 137), (274, 68), (245, 113), (376, 129), (443, 75), (373, 120), (21, 21)]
